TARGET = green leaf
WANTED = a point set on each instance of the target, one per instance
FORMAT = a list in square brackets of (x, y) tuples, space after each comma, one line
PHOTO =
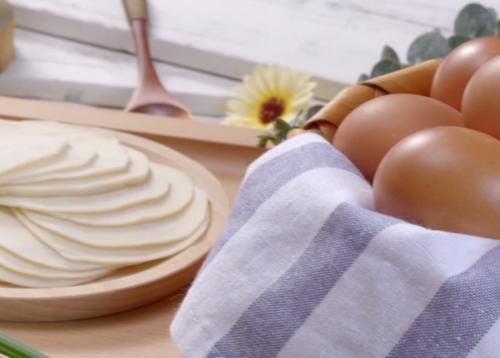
[(264, 138), (498, 28), (388, 53), (383, 67), (493, 12), (313, 110), (363, 77), (281, 126), (428, 46), (15, 349), (277, 140), (475, 20), (456, 40)]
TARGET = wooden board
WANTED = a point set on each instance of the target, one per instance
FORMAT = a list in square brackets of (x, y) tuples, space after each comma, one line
[(142, 124), (51, 68), (134, 286), (142, 332), (333, 40)]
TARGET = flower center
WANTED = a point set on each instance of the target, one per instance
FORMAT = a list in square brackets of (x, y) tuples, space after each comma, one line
[(271, 109)]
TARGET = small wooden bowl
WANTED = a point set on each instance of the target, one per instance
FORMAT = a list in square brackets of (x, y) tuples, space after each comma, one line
[(414, 80), (133, 286)]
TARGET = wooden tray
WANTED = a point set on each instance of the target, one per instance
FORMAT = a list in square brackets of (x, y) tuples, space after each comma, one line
[(142, 332), (134, 286)]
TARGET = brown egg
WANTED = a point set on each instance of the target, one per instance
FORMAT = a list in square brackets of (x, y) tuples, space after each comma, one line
[(458, 67), (481, 104), (445, 178), (370, 130)]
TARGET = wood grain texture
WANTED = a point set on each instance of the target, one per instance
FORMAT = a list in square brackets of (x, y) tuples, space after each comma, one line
[(56, 69), (138, 123), (139, 333), (142, 332), (333, 40)]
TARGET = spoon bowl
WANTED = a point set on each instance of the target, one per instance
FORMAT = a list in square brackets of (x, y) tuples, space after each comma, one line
[(149, 96)]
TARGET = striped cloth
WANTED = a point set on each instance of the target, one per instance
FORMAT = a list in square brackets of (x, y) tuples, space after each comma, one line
[(305, 268)]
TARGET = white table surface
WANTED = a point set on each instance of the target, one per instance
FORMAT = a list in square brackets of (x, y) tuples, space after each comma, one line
[(53, 68), (332, 40)]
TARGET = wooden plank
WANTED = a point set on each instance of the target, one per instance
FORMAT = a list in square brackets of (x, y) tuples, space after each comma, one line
[(139, 333), (56, 69), (333, 40), (142, 124)]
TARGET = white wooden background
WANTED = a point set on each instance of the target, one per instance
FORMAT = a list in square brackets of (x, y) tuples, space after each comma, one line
[(53, 68), (332, 40)]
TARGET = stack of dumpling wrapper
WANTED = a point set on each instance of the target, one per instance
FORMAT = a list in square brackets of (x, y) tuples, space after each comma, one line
[(75, 205)]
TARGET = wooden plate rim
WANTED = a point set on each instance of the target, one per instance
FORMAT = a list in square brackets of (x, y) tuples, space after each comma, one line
[(178, 263)]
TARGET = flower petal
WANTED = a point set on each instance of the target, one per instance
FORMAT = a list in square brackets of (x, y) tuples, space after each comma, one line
[(269, 84), (243, 122)]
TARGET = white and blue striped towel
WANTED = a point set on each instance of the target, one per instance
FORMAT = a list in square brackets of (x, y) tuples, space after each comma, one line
[(305, 268)]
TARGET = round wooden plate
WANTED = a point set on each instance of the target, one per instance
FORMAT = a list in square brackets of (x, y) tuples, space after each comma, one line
[(133, 286)]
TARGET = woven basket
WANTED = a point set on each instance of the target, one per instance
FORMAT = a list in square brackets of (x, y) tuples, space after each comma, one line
[(415, 79)]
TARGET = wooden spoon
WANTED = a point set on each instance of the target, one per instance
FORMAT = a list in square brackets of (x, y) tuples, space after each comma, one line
[(149, 96)]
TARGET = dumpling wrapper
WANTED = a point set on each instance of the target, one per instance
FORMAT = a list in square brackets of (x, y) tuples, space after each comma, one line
[(114, 256), (75, 158), (16, 265), (112, 157), (18, 279), (136, 173), (70, 131), (75, 134), (180, 193), (153, 188), (19, 151), (17, 241), (158, 232)]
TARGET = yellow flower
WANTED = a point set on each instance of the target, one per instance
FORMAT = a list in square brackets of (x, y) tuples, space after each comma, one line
[(271, 92)]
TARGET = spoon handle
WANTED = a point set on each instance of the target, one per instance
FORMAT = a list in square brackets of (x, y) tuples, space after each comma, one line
[(138, 15), (149, 96), (136, 9)]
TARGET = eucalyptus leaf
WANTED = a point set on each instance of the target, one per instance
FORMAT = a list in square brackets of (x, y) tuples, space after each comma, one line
[(493, 12), (388, 53), (456, 40), (363, 77), (428, 46), (475, 20), (313, 110), (383, 67)]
